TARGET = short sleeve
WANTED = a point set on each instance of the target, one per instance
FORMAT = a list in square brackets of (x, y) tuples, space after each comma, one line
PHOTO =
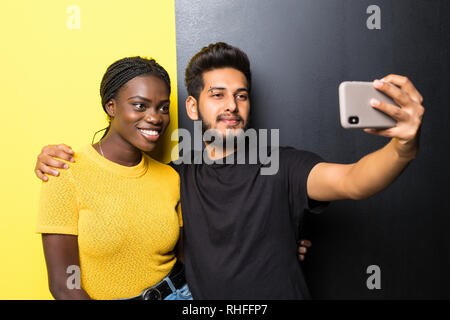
[(58, 206), (180, 216), (176, 167), (299, 164)]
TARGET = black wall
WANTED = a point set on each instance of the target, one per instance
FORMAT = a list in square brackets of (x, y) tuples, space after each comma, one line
[(300, 51)]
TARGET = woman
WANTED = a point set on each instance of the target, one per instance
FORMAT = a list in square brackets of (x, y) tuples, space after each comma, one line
[(115, 213)]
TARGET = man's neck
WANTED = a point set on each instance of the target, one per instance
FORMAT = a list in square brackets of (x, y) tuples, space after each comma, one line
[(215, 153)]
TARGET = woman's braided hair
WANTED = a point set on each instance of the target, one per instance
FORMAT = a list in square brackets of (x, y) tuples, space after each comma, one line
[(122, 71)]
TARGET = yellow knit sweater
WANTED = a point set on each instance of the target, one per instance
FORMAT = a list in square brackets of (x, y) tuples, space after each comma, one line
[(127, 220)]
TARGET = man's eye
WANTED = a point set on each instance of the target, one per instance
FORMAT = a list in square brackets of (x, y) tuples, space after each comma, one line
[(241, 96), (217, 95)]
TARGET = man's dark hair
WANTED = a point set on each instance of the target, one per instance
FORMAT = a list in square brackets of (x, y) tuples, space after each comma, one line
[(215, 56), (122, 71)]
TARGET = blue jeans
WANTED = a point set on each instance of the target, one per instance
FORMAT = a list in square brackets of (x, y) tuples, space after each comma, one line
[(178, 294)]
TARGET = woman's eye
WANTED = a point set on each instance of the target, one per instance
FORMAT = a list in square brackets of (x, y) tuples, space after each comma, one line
[(165, 109), (138, 106)]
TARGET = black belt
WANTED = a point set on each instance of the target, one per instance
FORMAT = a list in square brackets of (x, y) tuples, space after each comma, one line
[(161, 290)]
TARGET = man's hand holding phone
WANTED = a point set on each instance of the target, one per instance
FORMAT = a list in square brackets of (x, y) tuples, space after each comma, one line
[(408, 111)]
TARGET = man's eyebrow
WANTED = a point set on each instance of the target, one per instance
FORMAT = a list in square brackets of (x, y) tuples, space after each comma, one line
[(221, 88), (215, 88)]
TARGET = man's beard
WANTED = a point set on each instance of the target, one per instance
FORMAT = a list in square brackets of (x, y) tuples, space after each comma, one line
[(233, 137)]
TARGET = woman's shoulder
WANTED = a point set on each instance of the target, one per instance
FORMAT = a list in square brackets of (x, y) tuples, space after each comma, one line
[(82, 156), (161, 168), (73, 172), (82, 164)]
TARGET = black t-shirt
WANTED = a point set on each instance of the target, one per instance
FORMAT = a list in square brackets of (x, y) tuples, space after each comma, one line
[(241, 228)]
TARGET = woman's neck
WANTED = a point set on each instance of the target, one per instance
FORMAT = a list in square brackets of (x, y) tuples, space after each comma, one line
[(114, 148)]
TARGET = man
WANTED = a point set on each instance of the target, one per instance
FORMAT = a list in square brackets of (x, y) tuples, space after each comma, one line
[(241, 227)]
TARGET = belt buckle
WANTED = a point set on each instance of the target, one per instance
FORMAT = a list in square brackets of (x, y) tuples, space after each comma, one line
[(152, 294)]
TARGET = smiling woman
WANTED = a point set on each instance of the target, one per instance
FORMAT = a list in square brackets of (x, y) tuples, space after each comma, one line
[(135, 95), (115, 212), (55, 54)]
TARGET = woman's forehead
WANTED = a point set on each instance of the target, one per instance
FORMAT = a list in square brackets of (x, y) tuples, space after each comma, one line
[(147, 85)]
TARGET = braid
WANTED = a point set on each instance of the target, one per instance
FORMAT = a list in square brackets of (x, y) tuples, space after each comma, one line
[(122, 71)]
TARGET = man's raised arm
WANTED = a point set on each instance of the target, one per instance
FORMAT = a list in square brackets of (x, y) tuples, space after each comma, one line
[(377, 170)]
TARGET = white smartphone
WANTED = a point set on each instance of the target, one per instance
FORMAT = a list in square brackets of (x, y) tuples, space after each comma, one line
[(355, 109)]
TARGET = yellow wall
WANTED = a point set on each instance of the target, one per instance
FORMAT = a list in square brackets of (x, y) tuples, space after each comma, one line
[(49, 85)]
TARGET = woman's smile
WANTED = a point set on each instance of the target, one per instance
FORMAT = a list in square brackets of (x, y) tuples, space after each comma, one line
[(151, 135)]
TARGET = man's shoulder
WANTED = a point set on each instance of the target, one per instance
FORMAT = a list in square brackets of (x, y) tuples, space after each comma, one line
[(289, 150), (190, 157), (298, 157)]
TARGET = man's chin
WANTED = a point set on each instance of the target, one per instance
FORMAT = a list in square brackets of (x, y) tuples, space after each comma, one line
[(224, 131), (224, 127), (231, 132)]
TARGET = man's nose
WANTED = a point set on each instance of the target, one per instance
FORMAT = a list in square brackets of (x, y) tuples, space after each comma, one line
[(231, 105)]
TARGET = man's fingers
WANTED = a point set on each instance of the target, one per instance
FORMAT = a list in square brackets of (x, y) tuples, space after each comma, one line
[(48, 170), (400, 96), (405, 84), (40, 175), (58, 151), (46, 163), (65, 148), (61, 154), (302, 250), (381, 132), (391, 110), (306, 243), (52, 162)]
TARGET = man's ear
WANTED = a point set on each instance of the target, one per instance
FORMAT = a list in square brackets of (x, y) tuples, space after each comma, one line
[(110, 108), (192, 108)]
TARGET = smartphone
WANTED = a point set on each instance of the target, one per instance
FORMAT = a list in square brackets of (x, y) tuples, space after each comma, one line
[(355, 109)]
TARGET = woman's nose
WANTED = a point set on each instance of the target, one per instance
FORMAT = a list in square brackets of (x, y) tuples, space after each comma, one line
[(153, 117)]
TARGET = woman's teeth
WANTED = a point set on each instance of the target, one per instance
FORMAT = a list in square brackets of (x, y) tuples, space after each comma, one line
[(149, 132)]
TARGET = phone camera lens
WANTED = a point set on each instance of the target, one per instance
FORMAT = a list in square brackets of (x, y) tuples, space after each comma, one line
[(353, 120)]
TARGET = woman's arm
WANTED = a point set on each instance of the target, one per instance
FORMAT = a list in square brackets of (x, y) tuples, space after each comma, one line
[(61, 251)]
